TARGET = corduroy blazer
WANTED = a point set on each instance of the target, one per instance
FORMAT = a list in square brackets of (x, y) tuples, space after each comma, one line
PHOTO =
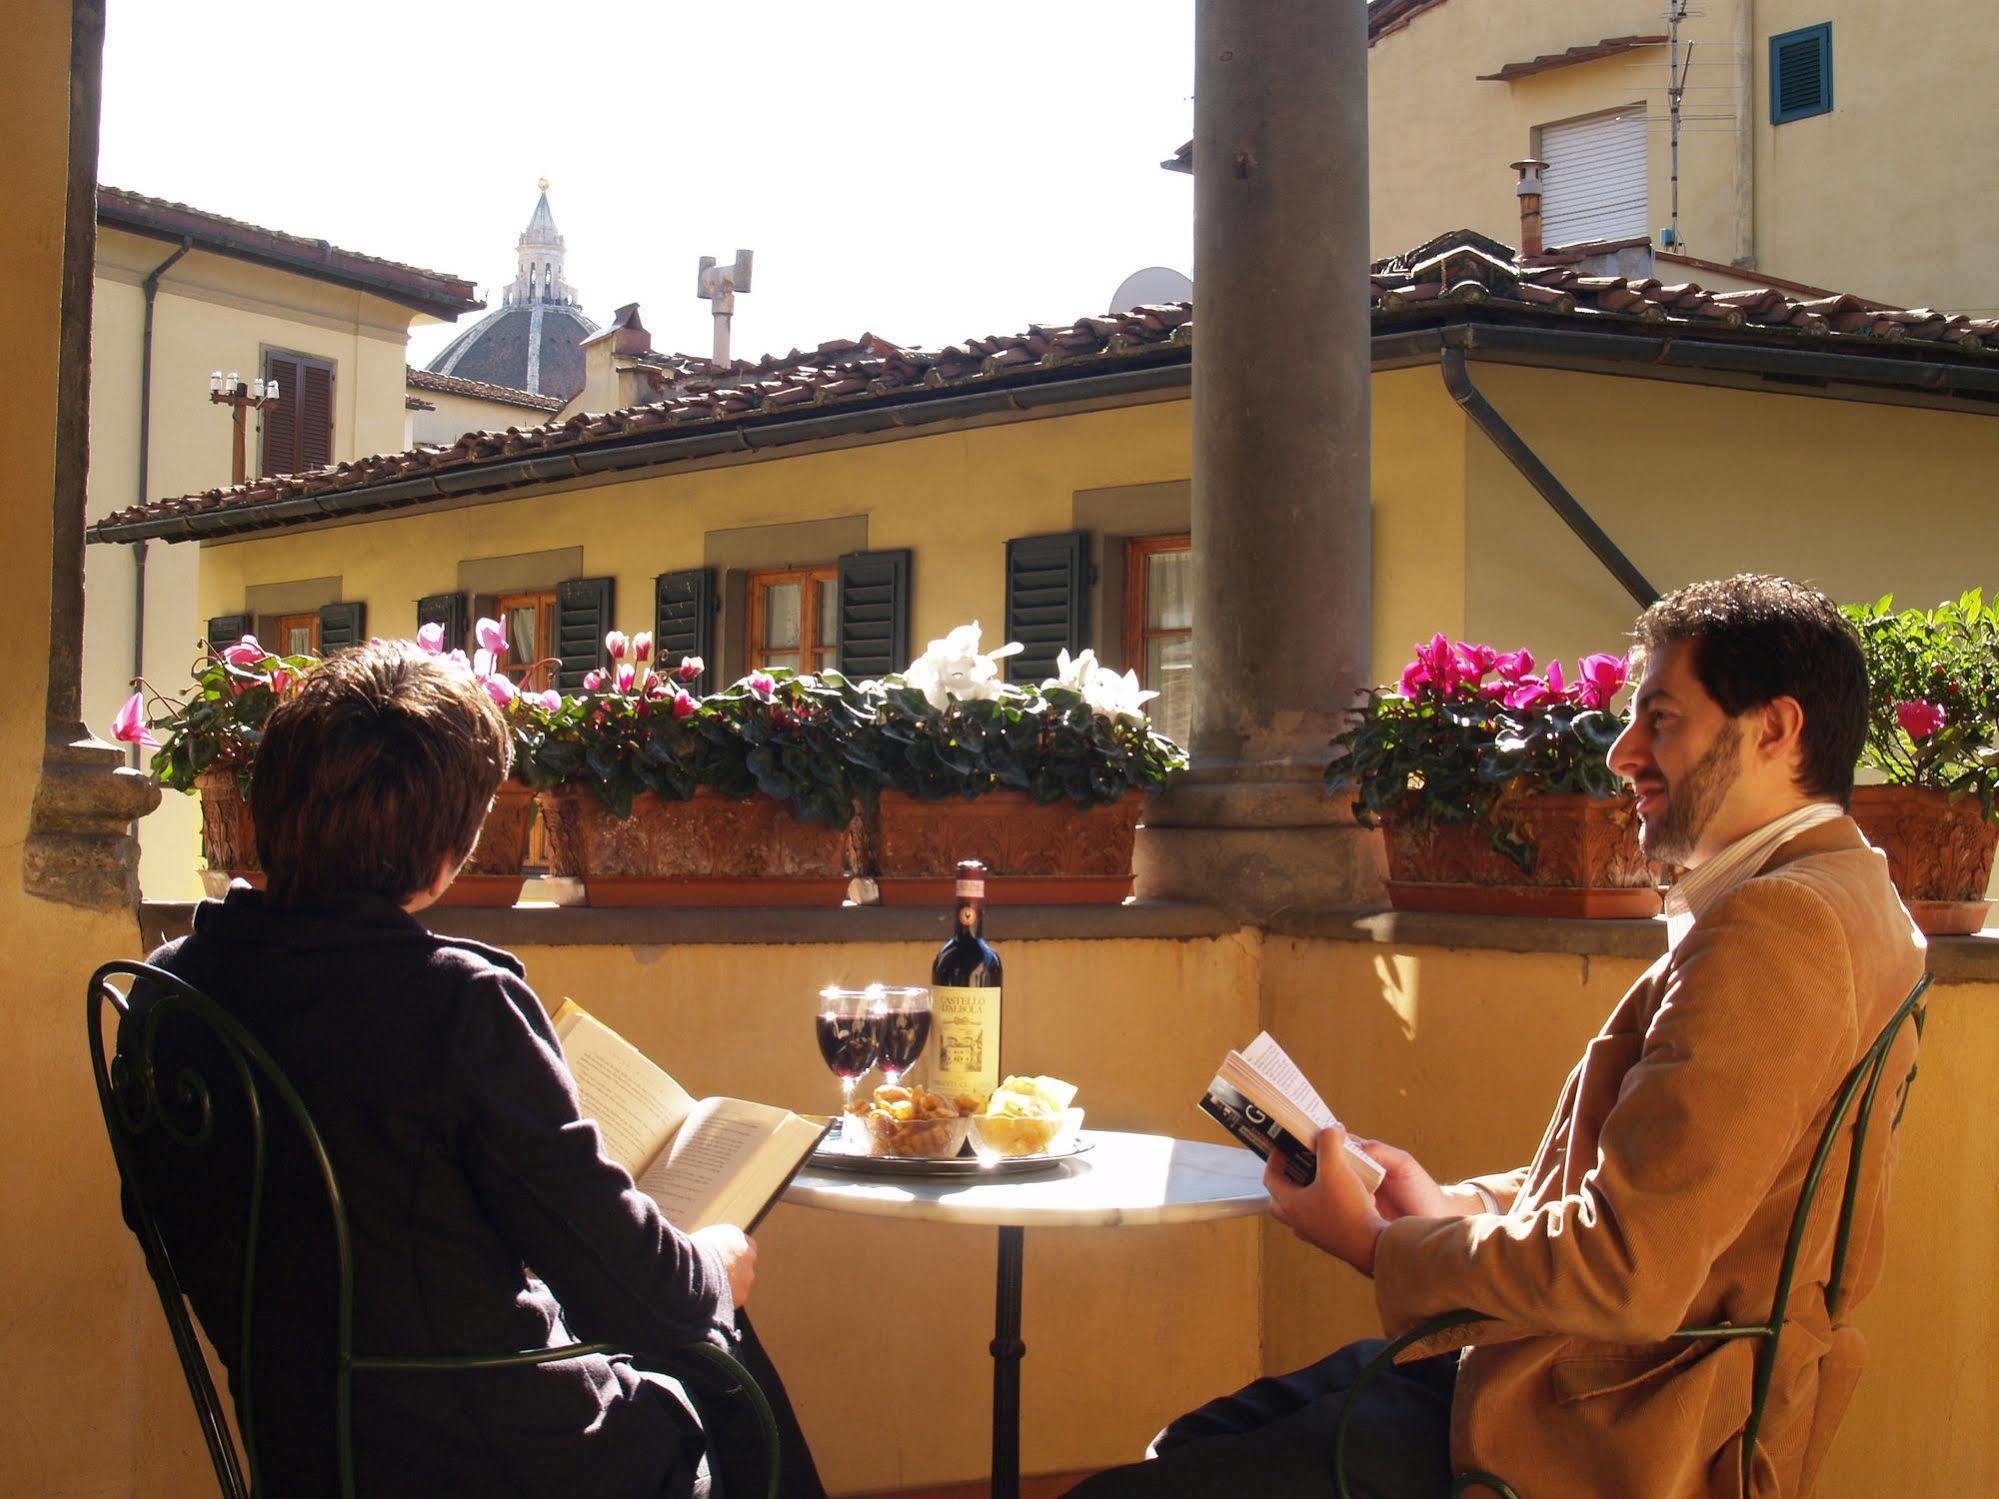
[(1661, 1196)]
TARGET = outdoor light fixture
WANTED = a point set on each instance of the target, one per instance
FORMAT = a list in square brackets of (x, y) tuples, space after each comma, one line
[(270, 390), (215, 382)]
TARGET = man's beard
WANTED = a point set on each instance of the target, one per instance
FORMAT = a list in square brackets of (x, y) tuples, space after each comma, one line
[(1691, 804)]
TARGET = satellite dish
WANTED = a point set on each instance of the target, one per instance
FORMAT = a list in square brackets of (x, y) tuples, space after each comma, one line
[(1154, 284)]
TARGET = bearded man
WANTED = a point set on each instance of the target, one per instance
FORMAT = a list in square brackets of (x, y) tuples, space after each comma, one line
[(1662, 1192)]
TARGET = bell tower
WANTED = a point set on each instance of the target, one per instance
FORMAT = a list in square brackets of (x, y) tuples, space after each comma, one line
[(538, 276)]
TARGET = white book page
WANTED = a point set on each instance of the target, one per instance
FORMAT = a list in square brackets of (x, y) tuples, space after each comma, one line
[(698, 1178), (636, 1105), (1266, 1057), (1292, 1100)]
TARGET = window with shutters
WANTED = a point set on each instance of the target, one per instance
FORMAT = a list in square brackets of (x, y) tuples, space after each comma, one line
[(794, 618), (1159, 627), (529, 620), (297, 635), (298, 426), (1801, 73), (1596, 185)]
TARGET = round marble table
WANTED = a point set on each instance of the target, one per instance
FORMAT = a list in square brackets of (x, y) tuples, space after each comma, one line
[(1123, 1180)]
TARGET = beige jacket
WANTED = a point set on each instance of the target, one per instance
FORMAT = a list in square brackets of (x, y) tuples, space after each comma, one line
[(1661, 1197)]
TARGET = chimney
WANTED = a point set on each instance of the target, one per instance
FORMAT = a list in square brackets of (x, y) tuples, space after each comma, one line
[(1529, 190)]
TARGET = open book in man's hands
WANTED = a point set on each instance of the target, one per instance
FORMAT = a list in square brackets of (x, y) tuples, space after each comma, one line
[(718, 1160), (1262, 1099)]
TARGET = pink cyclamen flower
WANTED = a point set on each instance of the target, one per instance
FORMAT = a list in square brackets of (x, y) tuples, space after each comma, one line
[(459, 660), (625, 678), (762, 684), (492, 636), (616, 645), (1439, 660), (1514, 666), (1557, 688), (1414, 679), (1539, 692), (594, 679), (1477, 659), (129, 727), (245, 652), (550, 701), (430, 638), (642, 646), (500, 690), (1602, 677), (690, 667), (281, 679), (683, 705), (1920, 719), (484, 662)]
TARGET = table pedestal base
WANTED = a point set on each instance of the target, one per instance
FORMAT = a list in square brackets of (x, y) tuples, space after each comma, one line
[(1007, 1350)]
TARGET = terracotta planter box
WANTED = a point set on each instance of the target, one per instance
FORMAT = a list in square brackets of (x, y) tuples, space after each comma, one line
[(1939, 853), (708, 851), (491, 877), (1587, 863), (1034, 855)]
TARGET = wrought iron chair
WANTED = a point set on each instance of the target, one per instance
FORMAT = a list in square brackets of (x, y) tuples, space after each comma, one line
[(192, 1112), (1861, 1085)]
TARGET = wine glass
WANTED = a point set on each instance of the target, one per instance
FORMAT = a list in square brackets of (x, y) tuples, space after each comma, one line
[(848, 1025), (904, 1027)]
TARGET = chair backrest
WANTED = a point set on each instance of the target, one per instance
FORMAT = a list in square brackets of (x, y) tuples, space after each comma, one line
[(1856, 1098), (214, 1100)]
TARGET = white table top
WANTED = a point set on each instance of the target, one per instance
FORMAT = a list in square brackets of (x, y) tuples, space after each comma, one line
[(1125, 1179)]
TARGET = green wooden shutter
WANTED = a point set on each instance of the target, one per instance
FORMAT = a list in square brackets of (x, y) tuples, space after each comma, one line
[(1046, 602), (874, 613), (447, 609), (226, 629), (683, 620), (1801, 73), (582, 620), (341, 626)]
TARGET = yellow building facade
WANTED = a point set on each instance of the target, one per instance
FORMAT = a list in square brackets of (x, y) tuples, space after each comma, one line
[(1835, 198), (231, 298)]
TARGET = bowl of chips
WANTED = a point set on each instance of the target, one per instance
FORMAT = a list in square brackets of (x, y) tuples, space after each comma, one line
[(909, 1120), (1025, 1116)]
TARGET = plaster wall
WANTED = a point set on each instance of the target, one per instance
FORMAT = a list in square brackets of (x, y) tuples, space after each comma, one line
[(456, 415), (1458, 1056), (1833, 200), (78, 1323), (212, 312)]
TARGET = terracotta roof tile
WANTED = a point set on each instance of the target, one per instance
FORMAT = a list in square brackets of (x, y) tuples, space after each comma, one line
[(1414, 290), (455, 385)]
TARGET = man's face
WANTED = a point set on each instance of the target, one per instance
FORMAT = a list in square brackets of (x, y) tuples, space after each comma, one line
[(1682, 755)]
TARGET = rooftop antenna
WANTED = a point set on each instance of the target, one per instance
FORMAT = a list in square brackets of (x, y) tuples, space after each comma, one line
[(718, 285)]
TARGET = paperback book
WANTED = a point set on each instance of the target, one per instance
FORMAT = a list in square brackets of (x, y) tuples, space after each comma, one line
[(1262, 1099)]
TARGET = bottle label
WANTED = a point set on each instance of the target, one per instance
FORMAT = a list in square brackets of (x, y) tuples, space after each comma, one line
[(971, 890), (966, 1038)]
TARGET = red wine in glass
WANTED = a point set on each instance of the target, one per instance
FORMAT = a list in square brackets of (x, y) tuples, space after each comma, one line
[(849, 1043), (904, 1016)]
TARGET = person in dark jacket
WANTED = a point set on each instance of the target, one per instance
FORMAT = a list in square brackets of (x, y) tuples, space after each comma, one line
[(484, 1214)]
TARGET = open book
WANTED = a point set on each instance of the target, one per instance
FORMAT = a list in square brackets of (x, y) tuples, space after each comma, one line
[(1262, 1099), (718, 1160)]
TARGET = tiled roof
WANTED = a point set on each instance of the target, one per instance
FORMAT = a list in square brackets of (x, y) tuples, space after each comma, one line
[(1459, 277), (454, 385), (1610, 46), (411, 285)]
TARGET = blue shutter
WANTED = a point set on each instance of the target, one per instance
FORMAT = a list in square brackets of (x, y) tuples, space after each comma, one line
[(1046, 604), (1801, 73)]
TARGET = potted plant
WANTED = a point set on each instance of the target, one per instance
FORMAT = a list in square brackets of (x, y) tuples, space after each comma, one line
[(1933, 696), (1042, 784), (211, 734), (656, 797), (1492, 788)]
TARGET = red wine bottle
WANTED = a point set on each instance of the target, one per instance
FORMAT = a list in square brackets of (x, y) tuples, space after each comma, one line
[(965, 998)]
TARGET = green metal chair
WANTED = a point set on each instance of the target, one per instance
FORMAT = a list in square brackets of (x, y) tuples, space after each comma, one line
[(1861, 1086), (185, 1111)]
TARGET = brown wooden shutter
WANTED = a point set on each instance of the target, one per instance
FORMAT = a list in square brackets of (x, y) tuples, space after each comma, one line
[(280, 419), (315, 415)]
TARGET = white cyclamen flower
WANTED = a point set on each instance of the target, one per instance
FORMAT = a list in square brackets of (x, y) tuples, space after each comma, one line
[(955, 670), (1072, 671), (1116, 696)]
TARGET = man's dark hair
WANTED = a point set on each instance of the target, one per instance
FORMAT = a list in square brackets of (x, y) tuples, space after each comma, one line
[(378, 769), (1755, 638)]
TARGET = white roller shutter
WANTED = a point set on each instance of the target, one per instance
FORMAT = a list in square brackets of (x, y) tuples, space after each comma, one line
[(1596, 180)]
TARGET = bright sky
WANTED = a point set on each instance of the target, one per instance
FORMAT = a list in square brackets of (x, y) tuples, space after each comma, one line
[(927, 171)]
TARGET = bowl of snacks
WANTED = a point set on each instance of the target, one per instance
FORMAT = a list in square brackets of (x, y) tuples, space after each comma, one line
[(1026, 1116), (909, 1120)]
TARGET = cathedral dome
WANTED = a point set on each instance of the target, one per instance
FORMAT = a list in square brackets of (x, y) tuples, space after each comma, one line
[(532, 341)]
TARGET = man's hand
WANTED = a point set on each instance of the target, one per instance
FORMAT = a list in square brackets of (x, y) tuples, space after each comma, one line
[(739, 1254), (1335, 1212), (1407, 1191)]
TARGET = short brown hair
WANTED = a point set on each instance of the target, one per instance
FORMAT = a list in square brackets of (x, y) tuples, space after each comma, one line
[(1756, 638), (379, 768)]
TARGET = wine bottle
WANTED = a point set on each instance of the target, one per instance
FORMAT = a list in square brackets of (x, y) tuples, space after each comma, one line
[(965, 998)]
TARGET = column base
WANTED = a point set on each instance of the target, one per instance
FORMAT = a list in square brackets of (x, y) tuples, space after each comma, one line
[(80, 849), (1254, 873)]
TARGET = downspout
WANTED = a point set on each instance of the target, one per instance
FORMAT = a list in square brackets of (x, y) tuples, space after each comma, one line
[(1457, 380), (151, 287), (1745, 134)]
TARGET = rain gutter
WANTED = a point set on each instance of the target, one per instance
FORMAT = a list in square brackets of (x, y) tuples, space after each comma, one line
[(151, 289)]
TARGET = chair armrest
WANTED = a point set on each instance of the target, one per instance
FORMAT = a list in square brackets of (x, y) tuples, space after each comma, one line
[(1381, 1361)]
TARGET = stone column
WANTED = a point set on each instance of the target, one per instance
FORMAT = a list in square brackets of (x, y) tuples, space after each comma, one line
[(1282, 536)]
